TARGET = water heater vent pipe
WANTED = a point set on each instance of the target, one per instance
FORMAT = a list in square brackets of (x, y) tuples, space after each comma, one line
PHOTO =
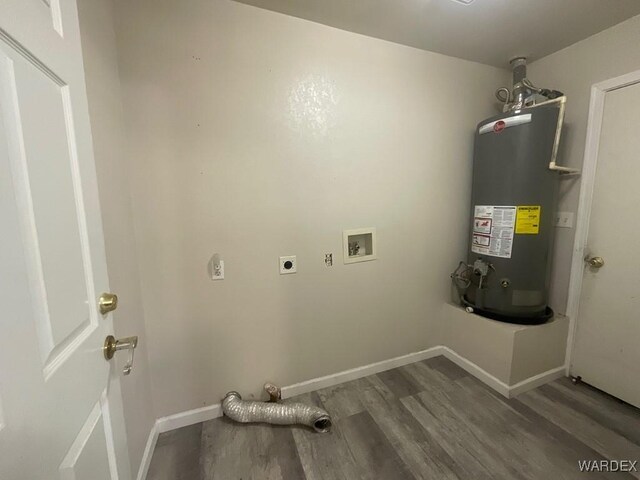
[(525, 95)]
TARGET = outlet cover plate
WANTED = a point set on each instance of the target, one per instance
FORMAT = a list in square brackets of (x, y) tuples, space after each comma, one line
[(216, 268), (288, 264), (564, 219)]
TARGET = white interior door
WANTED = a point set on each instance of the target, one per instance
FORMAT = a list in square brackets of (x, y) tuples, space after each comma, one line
[(606, 350), (60, 415)]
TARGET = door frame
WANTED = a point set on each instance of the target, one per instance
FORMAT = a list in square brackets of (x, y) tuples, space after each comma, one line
[(589, 168)]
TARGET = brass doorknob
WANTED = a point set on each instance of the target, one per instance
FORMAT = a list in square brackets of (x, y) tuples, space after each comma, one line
[(113, 345), (595, 262), (107, 302)]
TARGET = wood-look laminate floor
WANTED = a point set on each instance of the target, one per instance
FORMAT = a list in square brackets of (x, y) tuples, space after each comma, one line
[(428, 420)]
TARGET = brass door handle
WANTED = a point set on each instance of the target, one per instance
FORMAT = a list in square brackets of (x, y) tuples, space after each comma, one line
[(107, 302), (113, 345), (595, 262)]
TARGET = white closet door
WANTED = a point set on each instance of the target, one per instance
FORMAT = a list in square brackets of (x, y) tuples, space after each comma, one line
[(607, 344), (60, 412)]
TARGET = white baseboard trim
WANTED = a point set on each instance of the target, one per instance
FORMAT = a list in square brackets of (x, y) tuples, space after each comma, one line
[(190, 417), (537, 380), (148, 452), (173, 422), (210, 412), (508, 391), (358, 372), (478, 372)]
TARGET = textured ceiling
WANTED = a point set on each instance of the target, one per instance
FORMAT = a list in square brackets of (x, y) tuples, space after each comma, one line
[(486, 31)]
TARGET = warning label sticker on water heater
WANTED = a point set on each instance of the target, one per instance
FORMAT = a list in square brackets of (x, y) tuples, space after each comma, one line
[(493, 228), (528, 220)]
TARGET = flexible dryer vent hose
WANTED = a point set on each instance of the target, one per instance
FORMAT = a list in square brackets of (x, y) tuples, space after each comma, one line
[(244, 411)]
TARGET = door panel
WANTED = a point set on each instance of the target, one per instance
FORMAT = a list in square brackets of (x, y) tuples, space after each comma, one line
[(45, 171), (91, 453), (62, 413), (606, 352)]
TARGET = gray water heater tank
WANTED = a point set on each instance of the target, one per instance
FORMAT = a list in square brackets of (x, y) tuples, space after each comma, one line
[(513, 207)]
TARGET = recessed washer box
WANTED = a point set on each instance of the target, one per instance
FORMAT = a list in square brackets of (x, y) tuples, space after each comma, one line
[(359, 245)]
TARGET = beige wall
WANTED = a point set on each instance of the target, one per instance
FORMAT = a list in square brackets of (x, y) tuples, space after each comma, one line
[(574, 70), (484, 342), (538, 349), (256, 135), (105, 109)]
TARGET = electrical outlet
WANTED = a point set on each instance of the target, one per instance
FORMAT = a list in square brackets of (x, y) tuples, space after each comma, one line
[(218, 273), (288, 265), (564, 219), (216, 269)]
